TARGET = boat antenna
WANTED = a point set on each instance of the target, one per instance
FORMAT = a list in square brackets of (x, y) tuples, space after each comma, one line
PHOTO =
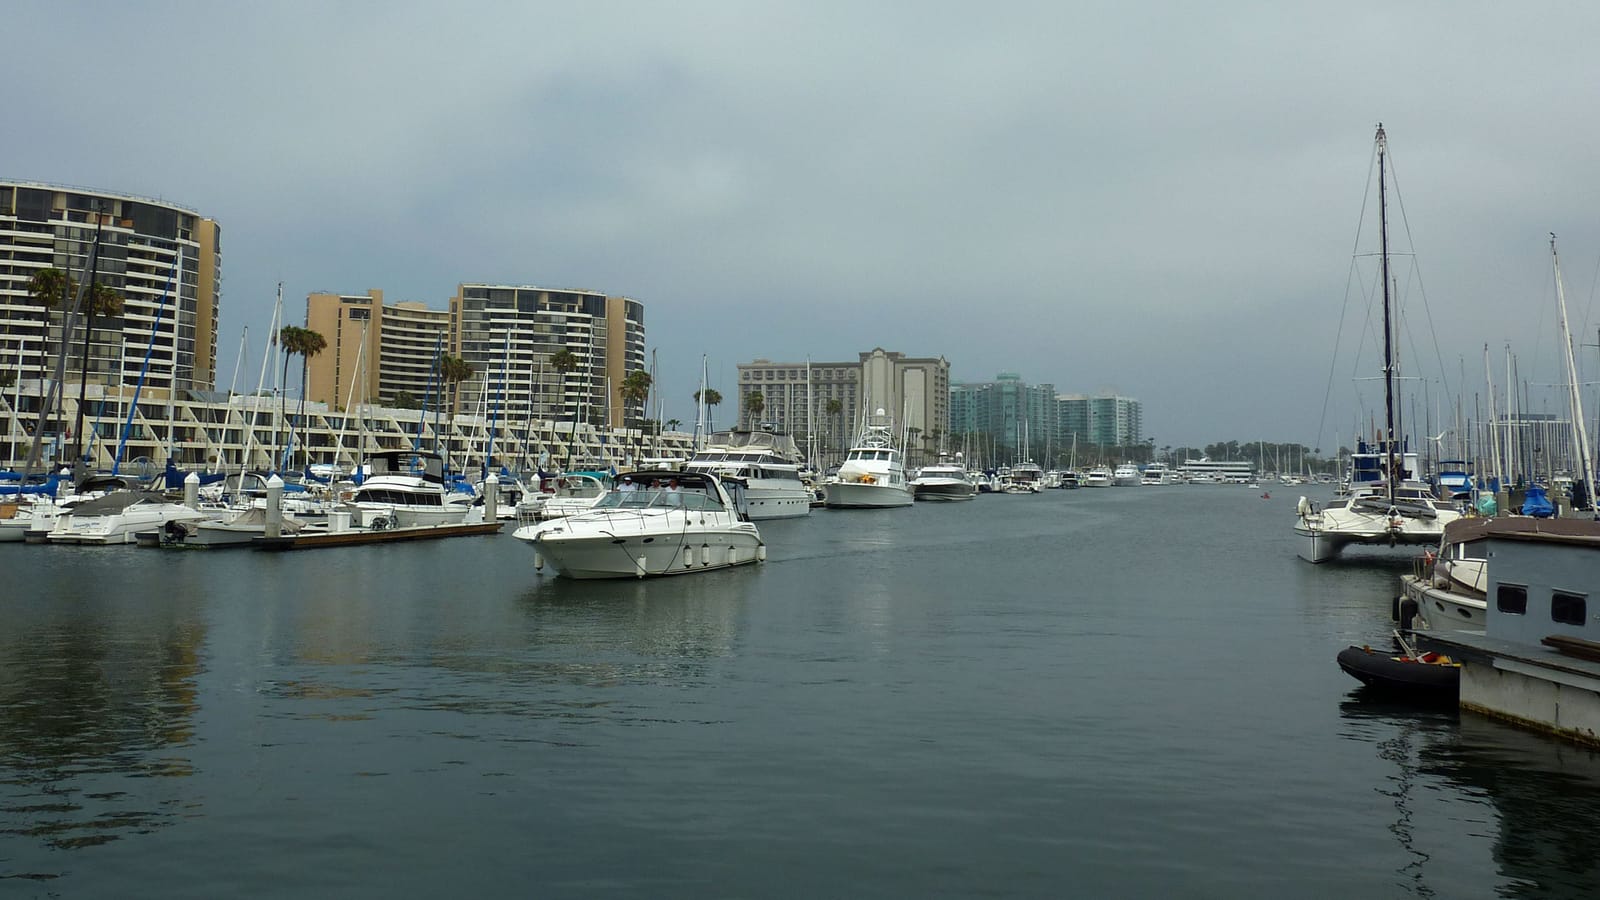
[(1391, 473)]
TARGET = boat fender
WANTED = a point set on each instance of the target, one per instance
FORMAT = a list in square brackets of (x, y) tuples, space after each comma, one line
[(1408, 614)]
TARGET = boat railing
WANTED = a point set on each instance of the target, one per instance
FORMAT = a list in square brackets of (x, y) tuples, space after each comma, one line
[(1422, 567)]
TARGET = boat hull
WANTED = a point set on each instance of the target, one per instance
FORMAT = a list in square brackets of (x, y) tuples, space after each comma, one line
[(860, 495), (1401, 676), (1443, 610), (603, 556), (777, 503)]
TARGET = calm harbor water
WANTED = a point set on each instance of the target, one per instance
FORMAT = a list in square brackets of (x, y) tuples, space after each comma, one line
[(1125, 692)]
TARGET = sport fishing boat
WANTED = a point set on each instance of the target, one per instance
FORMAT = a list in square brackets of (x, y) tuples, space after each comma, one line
[(872, 475), (669, 523)]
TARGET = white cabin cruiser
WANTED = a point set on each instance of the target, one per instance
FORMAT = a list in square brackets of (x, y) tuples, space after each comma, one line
[(117, 517), (406, 488), (872, 475), (1097, 477), (768, 464), (945, 480), (1126, 475), (668, 523)]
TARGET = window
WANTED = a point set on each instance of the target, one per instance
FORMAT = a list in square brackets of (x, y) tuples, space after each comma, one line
[(1512, 599), (1568, 609)]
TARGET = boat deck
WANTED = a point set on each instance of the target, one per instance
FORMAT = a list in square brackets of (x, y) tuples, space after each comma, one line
[(310, 539)]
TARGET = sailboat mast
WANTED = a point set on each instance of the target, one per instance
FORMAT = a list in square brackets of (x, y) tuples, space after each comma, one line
[(1392, 471), (1579, 432)]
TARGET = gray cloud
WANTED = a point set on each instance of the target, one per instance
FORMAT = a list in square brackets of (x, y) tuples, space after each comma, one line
[(1160, 198)]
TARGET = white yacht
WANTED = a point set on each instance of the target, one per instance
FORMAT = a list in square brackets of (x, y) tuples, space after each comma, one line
[(563, 495), (1155, 473), (1097, 477), (769, 465), (117, 517), (1402, 513), (1024, 478), (945, 480), (1450, 587), (406, 488), (1126, 475), (669, 523), (872, 475)]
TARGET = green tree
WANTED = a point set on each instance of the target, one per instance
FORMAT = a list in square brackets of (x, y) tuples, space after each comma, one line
[(756, 403), (304, 343), (103, 300), (47, 289), (635, 391), (452, 371), (711, 397), (835, 408), (564, 361)]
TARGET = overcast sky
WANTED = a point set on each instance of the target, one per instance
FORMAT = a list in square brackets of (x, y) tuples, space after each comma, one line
[(1156, 199)]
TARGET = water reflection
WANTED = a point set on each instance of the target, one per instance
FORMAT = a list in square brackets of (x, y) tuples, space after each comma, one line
[(1544, 792), (92, 695), (1547, 795)]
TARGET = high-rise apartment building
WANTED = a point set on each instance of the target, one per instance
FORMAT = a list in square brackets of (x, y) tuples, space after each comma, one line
[(1103, 419), (1017, 418), (828, 398), (164, 260), (508, 335), (377, 352)]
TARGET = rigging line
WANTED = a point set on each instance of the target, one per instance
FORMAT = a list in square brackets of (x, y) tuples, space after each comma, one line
[(1416, 271), (1333, 362)]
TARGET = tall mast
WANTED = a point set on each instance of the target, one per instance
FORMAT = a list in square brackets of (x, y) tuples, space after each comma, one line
[(1580, 433), (1391, 470)]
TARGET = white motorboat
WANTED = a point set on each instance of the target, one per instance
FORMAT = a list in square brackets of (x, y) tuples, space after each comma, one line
[(1449, 588), (1023, 478), (872, 475), (1097, 477), (407, 488), (233, 528), (1155, 474), (117, 517), (1126, 475), (945, 480), (655, 528), (563, 495), (768, 464)]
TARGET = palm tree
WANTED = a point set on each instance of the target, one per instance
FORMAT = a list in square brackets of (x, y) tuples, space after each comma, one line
[(835, 408), (711, 397), (635, 390), (452, 371), (47, 288), (564, 361), (305, 343), (756, 402), (673, 424), (103, 301)]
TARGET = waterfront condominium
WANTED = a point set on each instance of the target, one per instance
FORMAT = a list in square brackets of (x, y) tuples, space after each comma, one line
[(144, 245), (388, 352), (827, 399)]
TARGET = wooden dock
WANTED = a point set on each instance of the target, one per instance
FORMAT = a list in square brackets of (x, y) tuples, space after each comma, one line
[(308, 539)]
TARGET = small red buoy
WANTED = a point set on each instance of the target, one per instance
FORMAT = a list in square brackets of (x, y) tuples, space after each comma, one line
[(1266, 496)]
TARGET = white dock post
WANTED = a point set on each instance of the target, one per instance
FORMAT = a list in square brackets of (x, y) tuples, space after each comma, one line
[(191, 490), (274, 507), (491, 498)]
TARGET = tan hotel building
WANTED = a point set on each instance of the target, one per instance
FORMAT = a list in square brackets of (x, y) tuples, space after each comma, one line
[(507, 333)]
